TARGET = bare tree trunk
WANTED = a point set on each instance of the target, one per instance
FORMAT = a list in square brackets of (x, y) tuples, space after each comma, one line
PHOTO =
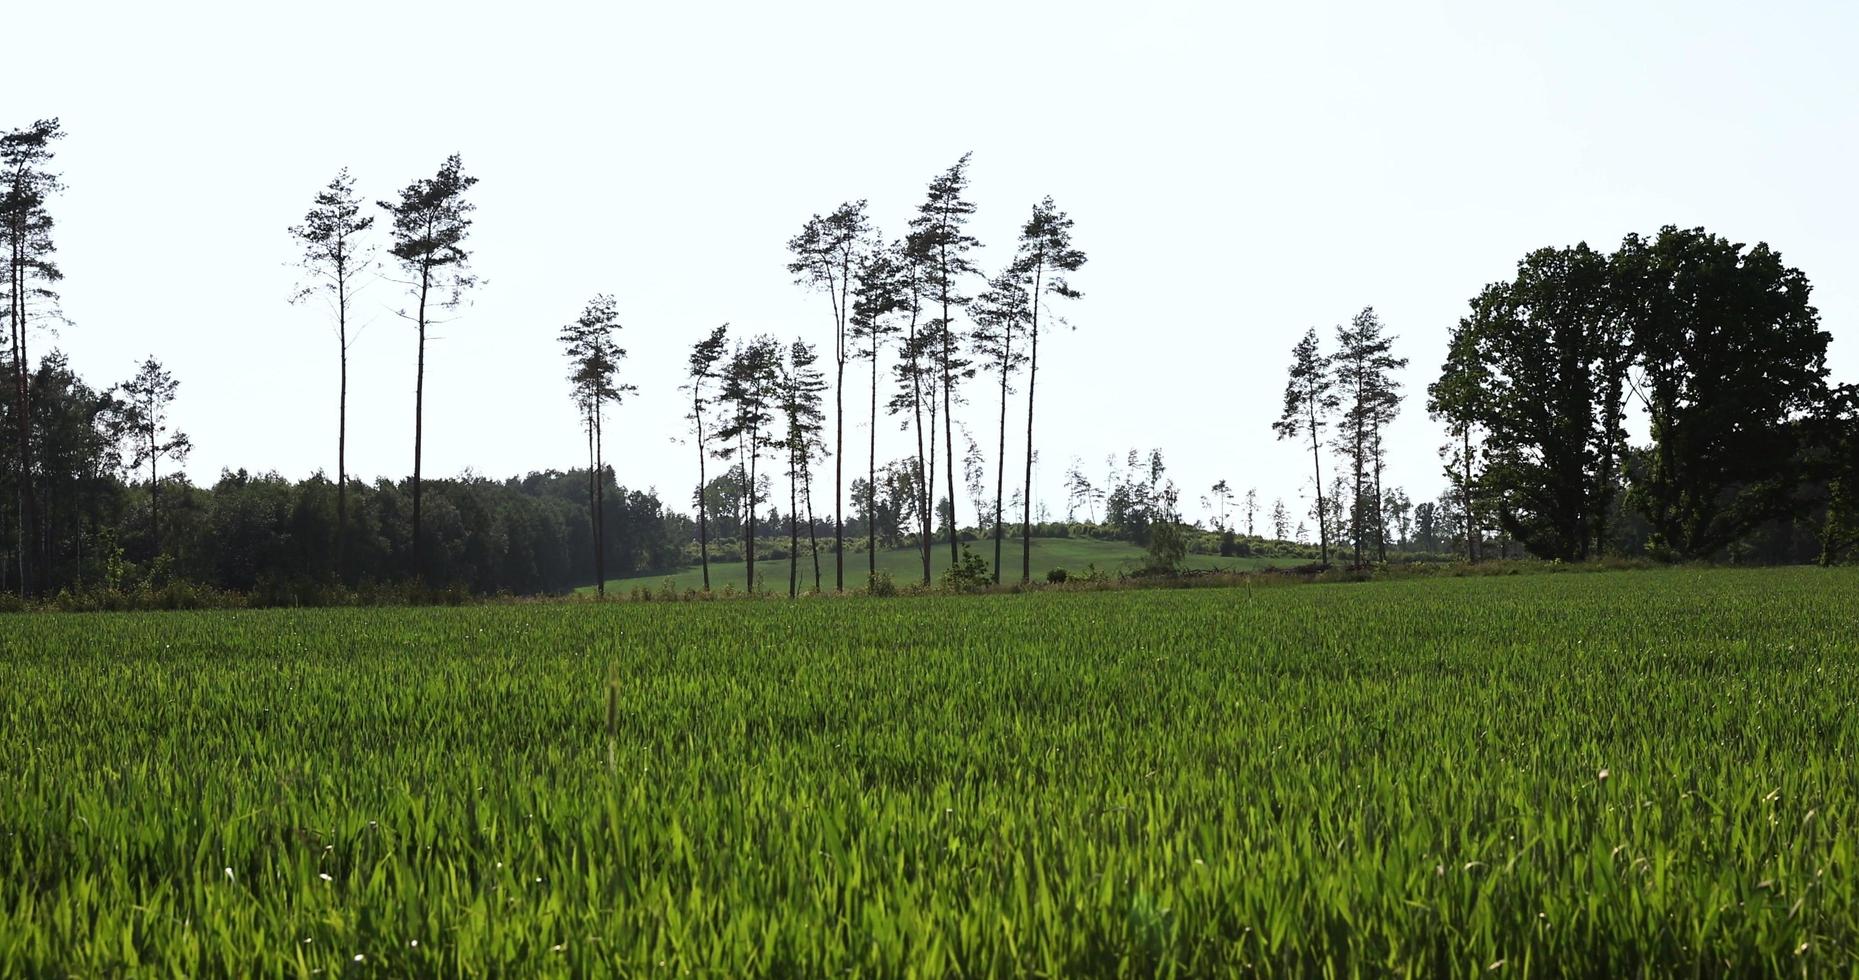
[(871, 475), (1032, 380), (600, 502), (839, 476), (419, 414), (342, 425), (793, 528), (154, 494), (748, 541), (22, 371), (923, 476), (703, 522), (1000, 468), (948, 412), (1471, 533), (813, 534), (1316, 461), (593, 510)]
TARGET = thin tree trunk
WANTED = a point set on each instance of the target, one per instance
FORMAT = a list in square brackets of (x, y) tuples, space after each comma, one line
[(839, 476), (813, 533), (154, 495), (1471, 537), (593, 510), (342, 424), (600, 503), (871, 475), (923, 475), (748, 541), (1032, 381), (1000, 455), (948, 409), (419, 414), (1316, 461), (22, 368), (703, 523), (793, 529)]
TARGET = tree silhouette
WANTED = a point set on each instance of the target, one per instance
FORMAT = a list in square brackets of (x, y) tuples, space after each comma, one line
[(912, 371), (702, 370), (594, 355), (749, 391), (146, 399), (800, 390), (25, 155), (1310, 399), (1538, 367), (1047, 256), (1732, 365), (827, 254), (940, 228), (1365, 367), (430, 223), (335, 259), (998, 313), (879, 294)]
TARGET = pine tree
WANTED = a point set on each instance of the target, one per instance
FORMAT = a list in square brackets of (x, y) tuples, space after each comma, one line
[(31, 274), (702, 371), (431, 221), (1047, 256), (336, 260), (940, 228), (1310, 400)]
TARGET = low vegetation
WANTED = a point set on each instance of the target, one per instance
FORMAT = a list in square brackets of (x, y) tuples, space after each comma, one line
[(1600, 774)]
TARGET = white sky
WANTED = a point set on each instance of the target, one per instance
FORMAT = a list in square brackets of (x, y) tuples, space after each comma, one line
[(1237, 173)]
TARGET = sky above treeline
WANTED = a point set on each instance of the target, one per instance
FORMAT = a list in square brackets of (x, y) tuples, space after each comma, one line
[(1237, 173)]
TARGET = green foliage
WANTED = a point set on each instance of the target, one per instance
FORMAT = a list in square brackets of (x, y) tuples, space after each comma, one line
[(1168, 546), (1445, 778), (971, 573), (1057, 576)]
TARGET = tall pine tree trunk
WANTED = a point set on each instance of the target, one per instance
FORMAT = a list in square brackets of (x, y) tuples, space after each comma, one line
[(813, 533), (22, 384), (793, 528), (1032, 380), (342, 426), (948, 416), (419, 415), (600, 503), (1316, 462), (1000, 455), (748, 494), (703, 522), (871, 475), (593, 509), (839, 476), (923, 474)]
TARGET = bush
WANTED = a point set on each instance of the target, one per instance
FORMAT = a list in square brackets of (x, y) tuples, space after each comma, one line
[(1168, 545), (969, 574), (882, 586), (1057, 576)]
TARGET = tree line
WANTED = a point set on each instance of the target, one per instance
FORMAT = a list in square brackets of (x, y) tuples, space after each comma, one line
[(921, 302), (1714, 345)]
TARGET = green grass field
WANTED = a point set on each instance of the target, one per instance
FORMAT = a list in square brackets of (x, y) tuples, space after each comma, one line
[(905, 565), (1608, 774)]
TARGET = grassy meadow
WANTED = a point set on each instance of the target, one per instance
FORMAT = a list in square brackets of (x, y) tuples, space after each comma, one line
[(1625, 773), (905, 565)]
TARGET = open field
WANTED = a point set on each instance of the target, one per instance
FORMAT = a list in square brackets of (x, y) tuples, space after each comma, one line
[(905, 565), (1601, 774)]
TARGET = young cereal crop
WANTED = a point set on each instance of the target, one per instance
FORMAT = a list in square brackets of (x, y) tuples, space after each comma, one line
[(1640, 773)]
